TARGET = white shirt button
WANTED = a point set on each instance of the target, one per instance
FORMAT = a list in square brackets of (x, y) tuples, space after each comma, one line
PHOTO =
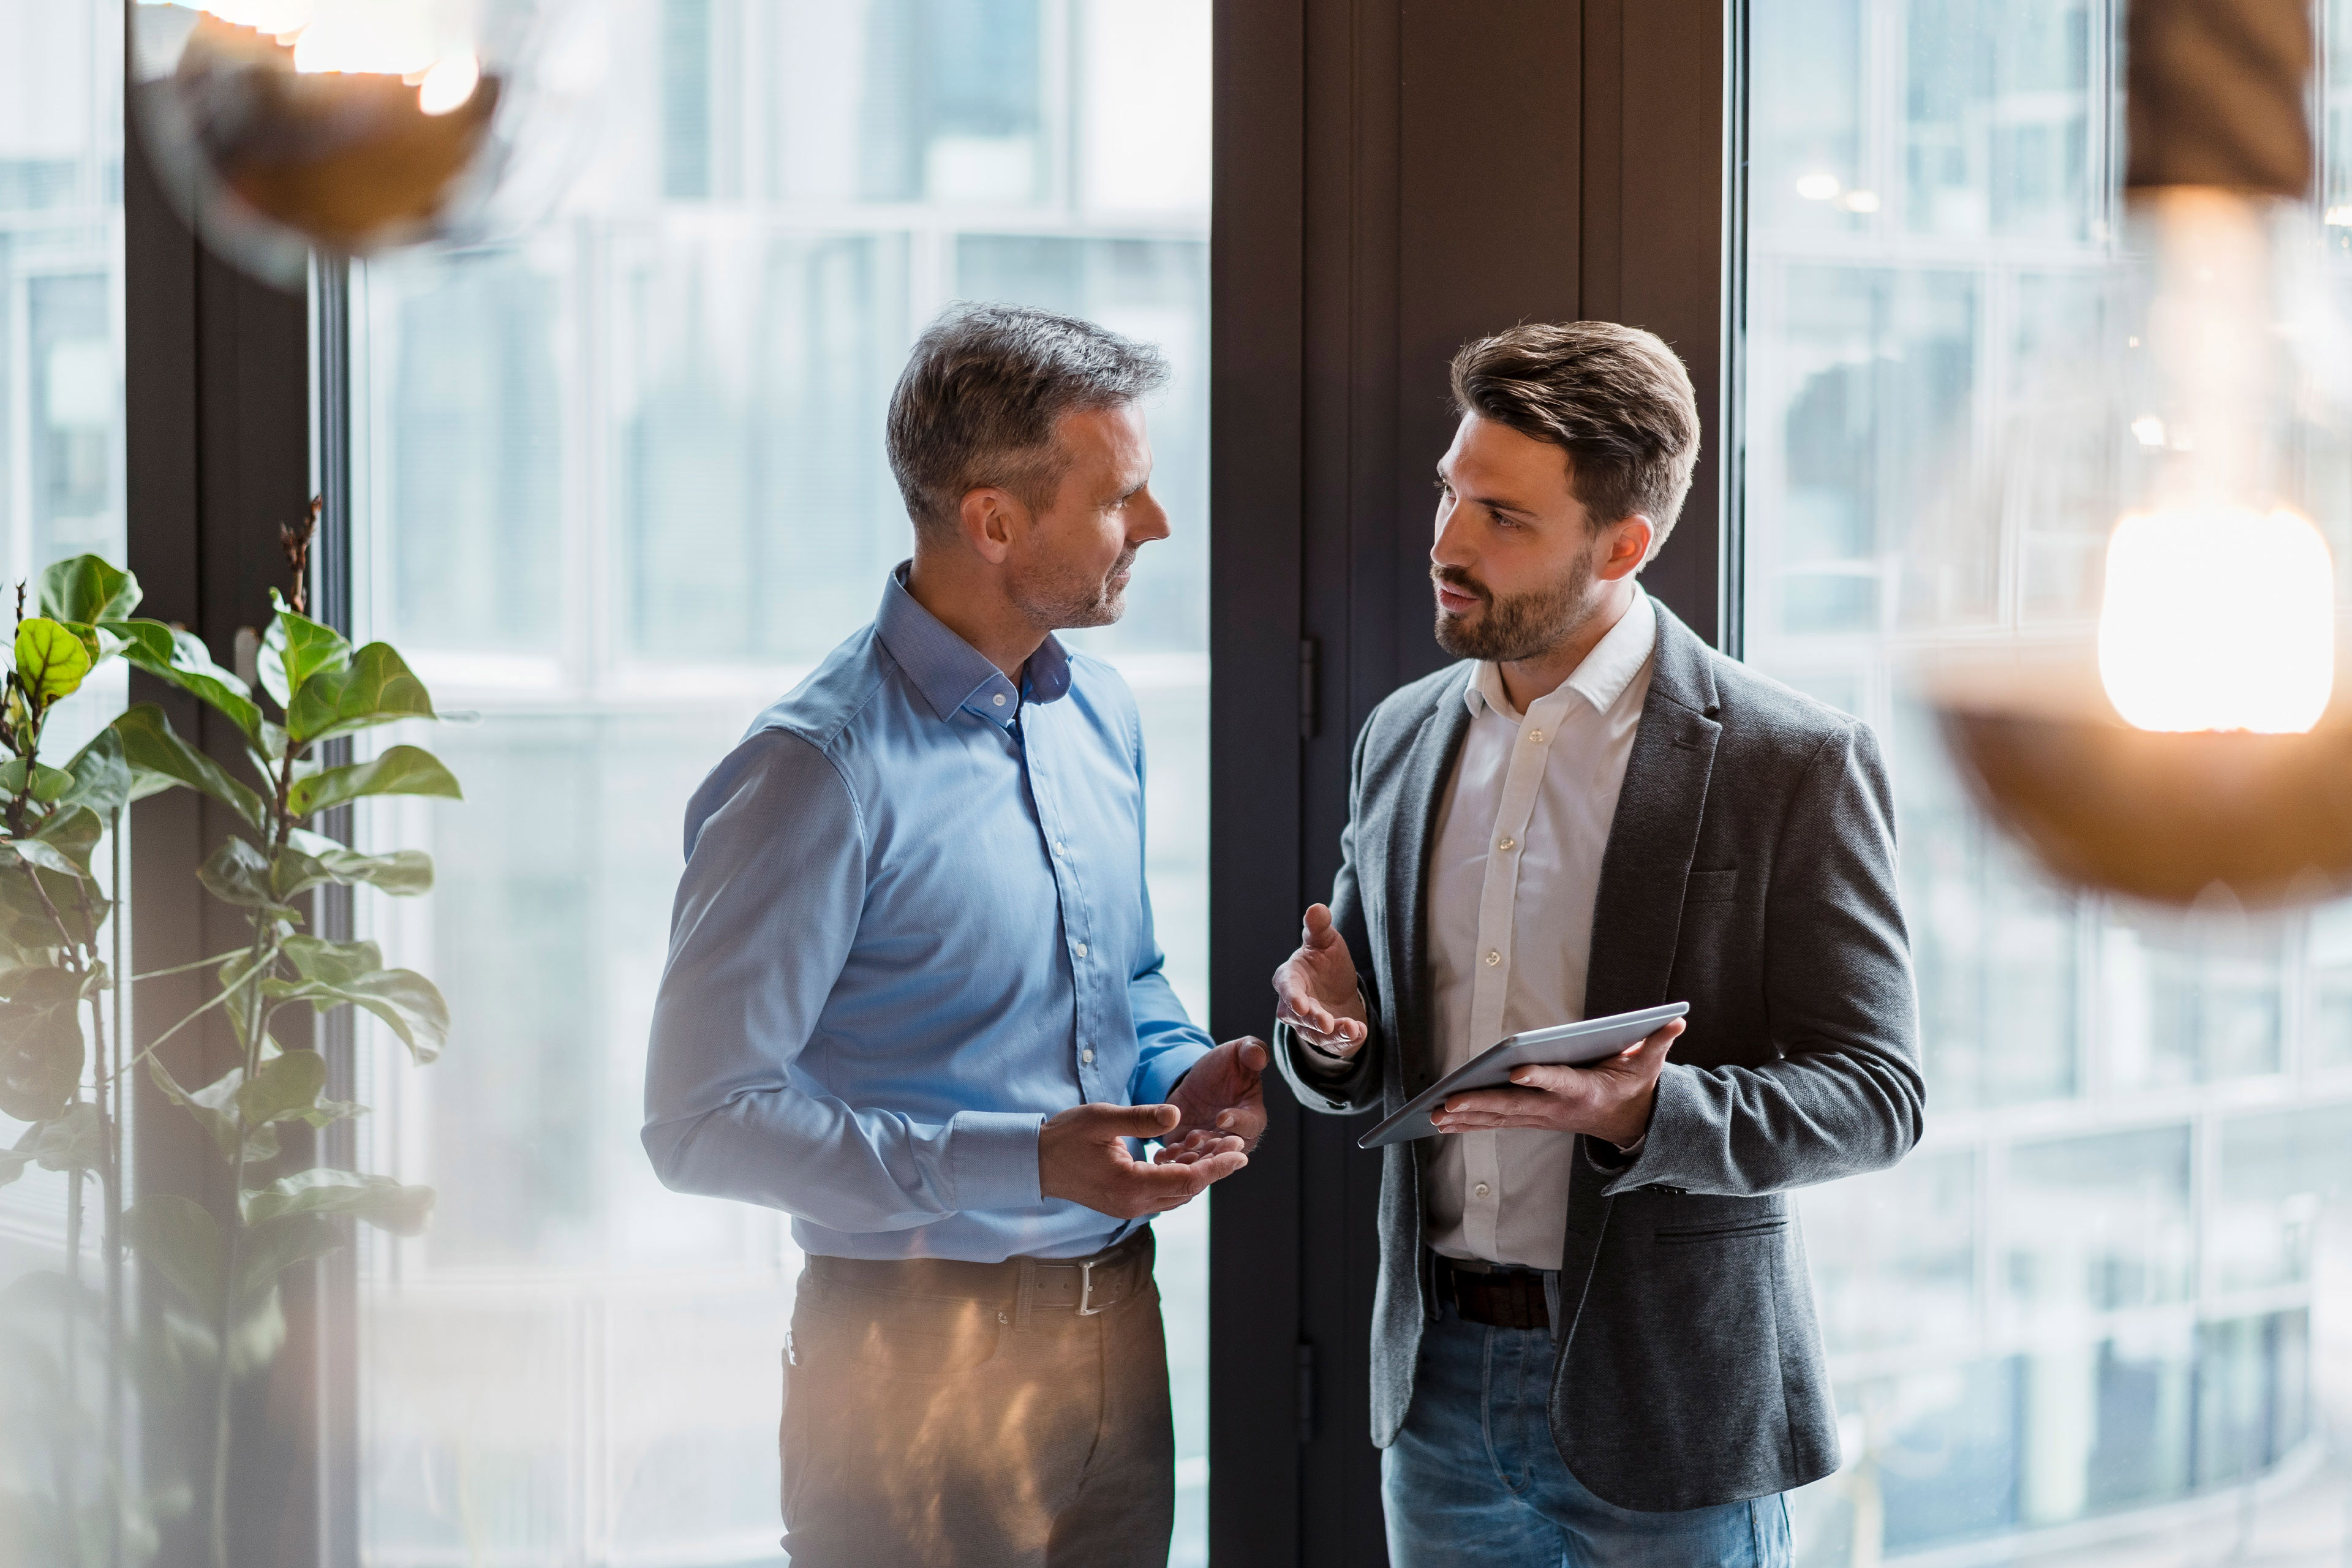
[(1493, 958), (1000, 700), (1087, 1056), (1082, 950), (1509, 844), (1481, 1189), (1536, 735), (1061, 849)]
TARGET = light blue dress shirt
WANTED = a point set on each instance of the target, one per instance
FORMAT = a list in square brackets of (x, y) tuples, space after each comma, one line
[(913, 925)]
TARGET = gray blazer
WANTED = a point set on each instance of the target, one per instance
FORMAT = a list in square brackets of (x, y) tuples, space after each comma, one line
[(1750, 871)]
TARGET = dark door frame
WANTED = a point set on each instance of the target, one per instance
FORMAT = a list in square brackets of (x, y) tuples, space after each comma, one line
[(1391, 179), (228, 433)]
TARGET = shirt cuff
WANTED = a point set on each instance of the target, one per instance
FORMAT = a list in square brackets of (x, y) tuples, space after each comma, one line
[(992, 1155), (1158, 1079)]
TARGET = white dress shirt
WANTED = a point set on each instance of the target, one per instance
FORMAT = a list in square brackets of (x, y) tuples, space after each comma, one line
[(1512, 880)]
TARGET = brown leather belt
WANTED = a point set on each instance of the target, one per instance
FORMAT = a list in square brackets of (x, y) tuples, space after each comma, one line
[(1498, 1297), (1086, 1286)]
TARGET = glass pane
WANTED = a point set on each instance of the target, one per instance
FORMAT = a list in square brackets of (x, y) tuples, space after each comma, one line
[(2089, 1320), (622, 484), (61, 487)]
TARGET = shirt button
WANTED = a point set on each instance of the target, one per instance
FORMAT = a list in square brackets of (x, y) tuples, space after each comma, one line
[(1536, 735), (1082, 950), (1481, 1189), (1000, 700), (1061, 849), (1492, 958), (1509, 844), (1087, 1056)]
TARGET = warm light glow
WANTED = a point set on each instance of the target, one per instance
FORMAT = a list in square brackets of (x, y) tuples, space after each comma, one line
[(2218, 617), (449, 84), (1818, 187), (1860, 201), (2149, 430), (387, 37), (2338, 216)]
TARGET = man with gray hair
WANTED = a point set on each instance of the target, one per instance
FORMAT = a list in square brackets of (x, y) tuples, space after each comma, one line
[(913, 999)]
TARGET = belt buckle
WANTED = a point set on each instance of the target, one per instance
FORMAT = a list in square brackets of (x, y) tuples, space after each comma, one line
[(1087, 1292)]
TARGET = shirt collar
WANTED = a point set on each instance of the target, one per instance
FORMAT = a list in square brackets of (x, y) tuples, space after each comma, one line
[(953, 675), (1601, 679)]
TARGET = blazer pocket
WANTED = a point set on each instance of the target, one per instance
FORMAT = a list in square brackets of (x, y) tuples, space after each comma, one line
[(1711, 887), (1691, 1236)]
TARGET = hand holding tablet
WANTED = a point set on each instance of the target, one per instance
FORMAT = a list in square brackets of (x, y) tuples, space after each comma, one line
[(1567, 1045)]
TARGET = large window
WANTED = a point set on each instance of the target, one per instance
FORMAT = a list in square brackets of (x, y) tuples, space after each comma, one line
[(61, 473), (2092, 1320), (621, 482)]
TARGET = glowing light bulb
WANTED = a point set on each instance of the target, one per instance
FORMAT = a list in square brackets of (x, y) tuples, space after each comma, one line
[(449, 84), (2218, 617), (1818, 187)]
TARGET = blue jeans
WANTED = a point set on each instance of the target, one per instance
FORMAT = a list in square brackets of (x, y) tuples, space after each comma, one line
[(1474, 1477)]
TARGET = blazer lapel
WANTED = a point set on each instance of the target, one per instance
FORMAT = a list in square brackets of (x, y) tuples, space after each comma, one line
[(1412, 831), (1638, 907)]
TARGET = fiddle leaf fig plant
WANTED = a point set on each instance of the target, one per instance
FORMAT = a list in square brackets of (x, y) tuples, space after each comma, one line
[(315, 687)]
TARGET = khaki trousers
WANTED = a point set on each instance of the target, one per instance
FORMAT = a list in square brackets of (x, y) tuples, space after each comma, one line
[(922, 1428)]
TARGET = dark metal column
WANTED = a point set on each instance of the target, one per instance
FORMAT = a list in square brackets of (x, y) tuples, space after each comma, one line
[(218, 411)]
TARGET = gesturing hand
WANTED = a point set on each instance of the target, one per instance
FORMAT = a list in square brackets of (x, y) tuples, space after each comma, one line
[(1610, 1099), (1221, 1101), (1314, 990), (1082, 1156)]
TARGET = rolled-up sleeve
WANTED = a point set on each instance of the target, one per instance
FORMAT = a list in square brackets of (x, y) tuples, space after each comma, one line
[(775, 879)]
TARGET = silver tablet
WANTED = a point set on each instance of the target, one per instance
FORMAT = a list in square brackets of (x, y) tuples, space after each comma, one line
[(1564, 1045)]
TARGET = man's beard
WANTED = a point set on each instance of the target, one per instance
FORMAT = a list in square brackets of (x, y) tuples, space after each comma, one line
[(1523, 627), (1066, 596)]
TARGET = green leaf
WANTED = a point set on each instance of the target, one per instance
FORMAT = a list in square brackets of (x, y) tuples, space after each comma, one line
[(295, 648), (238, 873), (14, 1160), (50, 659), (376, 687), (181, 1240), (379, 1200), (181, 659), (41, 1050), (401, 770), (274, 1245), (151, 746), (99, 777), (312, 859), (87, 588), (286, 1086), (65, 842), (334, 972), (49, 784), (25, 921), (215, 1110), (74, 1142)]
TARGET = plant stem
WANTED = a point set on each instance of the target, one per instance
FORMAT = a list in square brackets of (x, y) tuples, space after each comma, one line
[(264, 947), (222, 1384)]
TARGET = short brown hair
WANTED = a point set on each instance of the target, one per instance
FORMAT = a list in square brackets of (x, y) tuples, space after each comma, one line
[(979, 398), (1615, 398)]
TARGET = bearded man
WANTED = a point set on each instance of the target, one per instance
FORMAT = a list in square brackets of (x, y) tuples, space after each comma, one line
[(914, 1000), (1594, 1341)]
